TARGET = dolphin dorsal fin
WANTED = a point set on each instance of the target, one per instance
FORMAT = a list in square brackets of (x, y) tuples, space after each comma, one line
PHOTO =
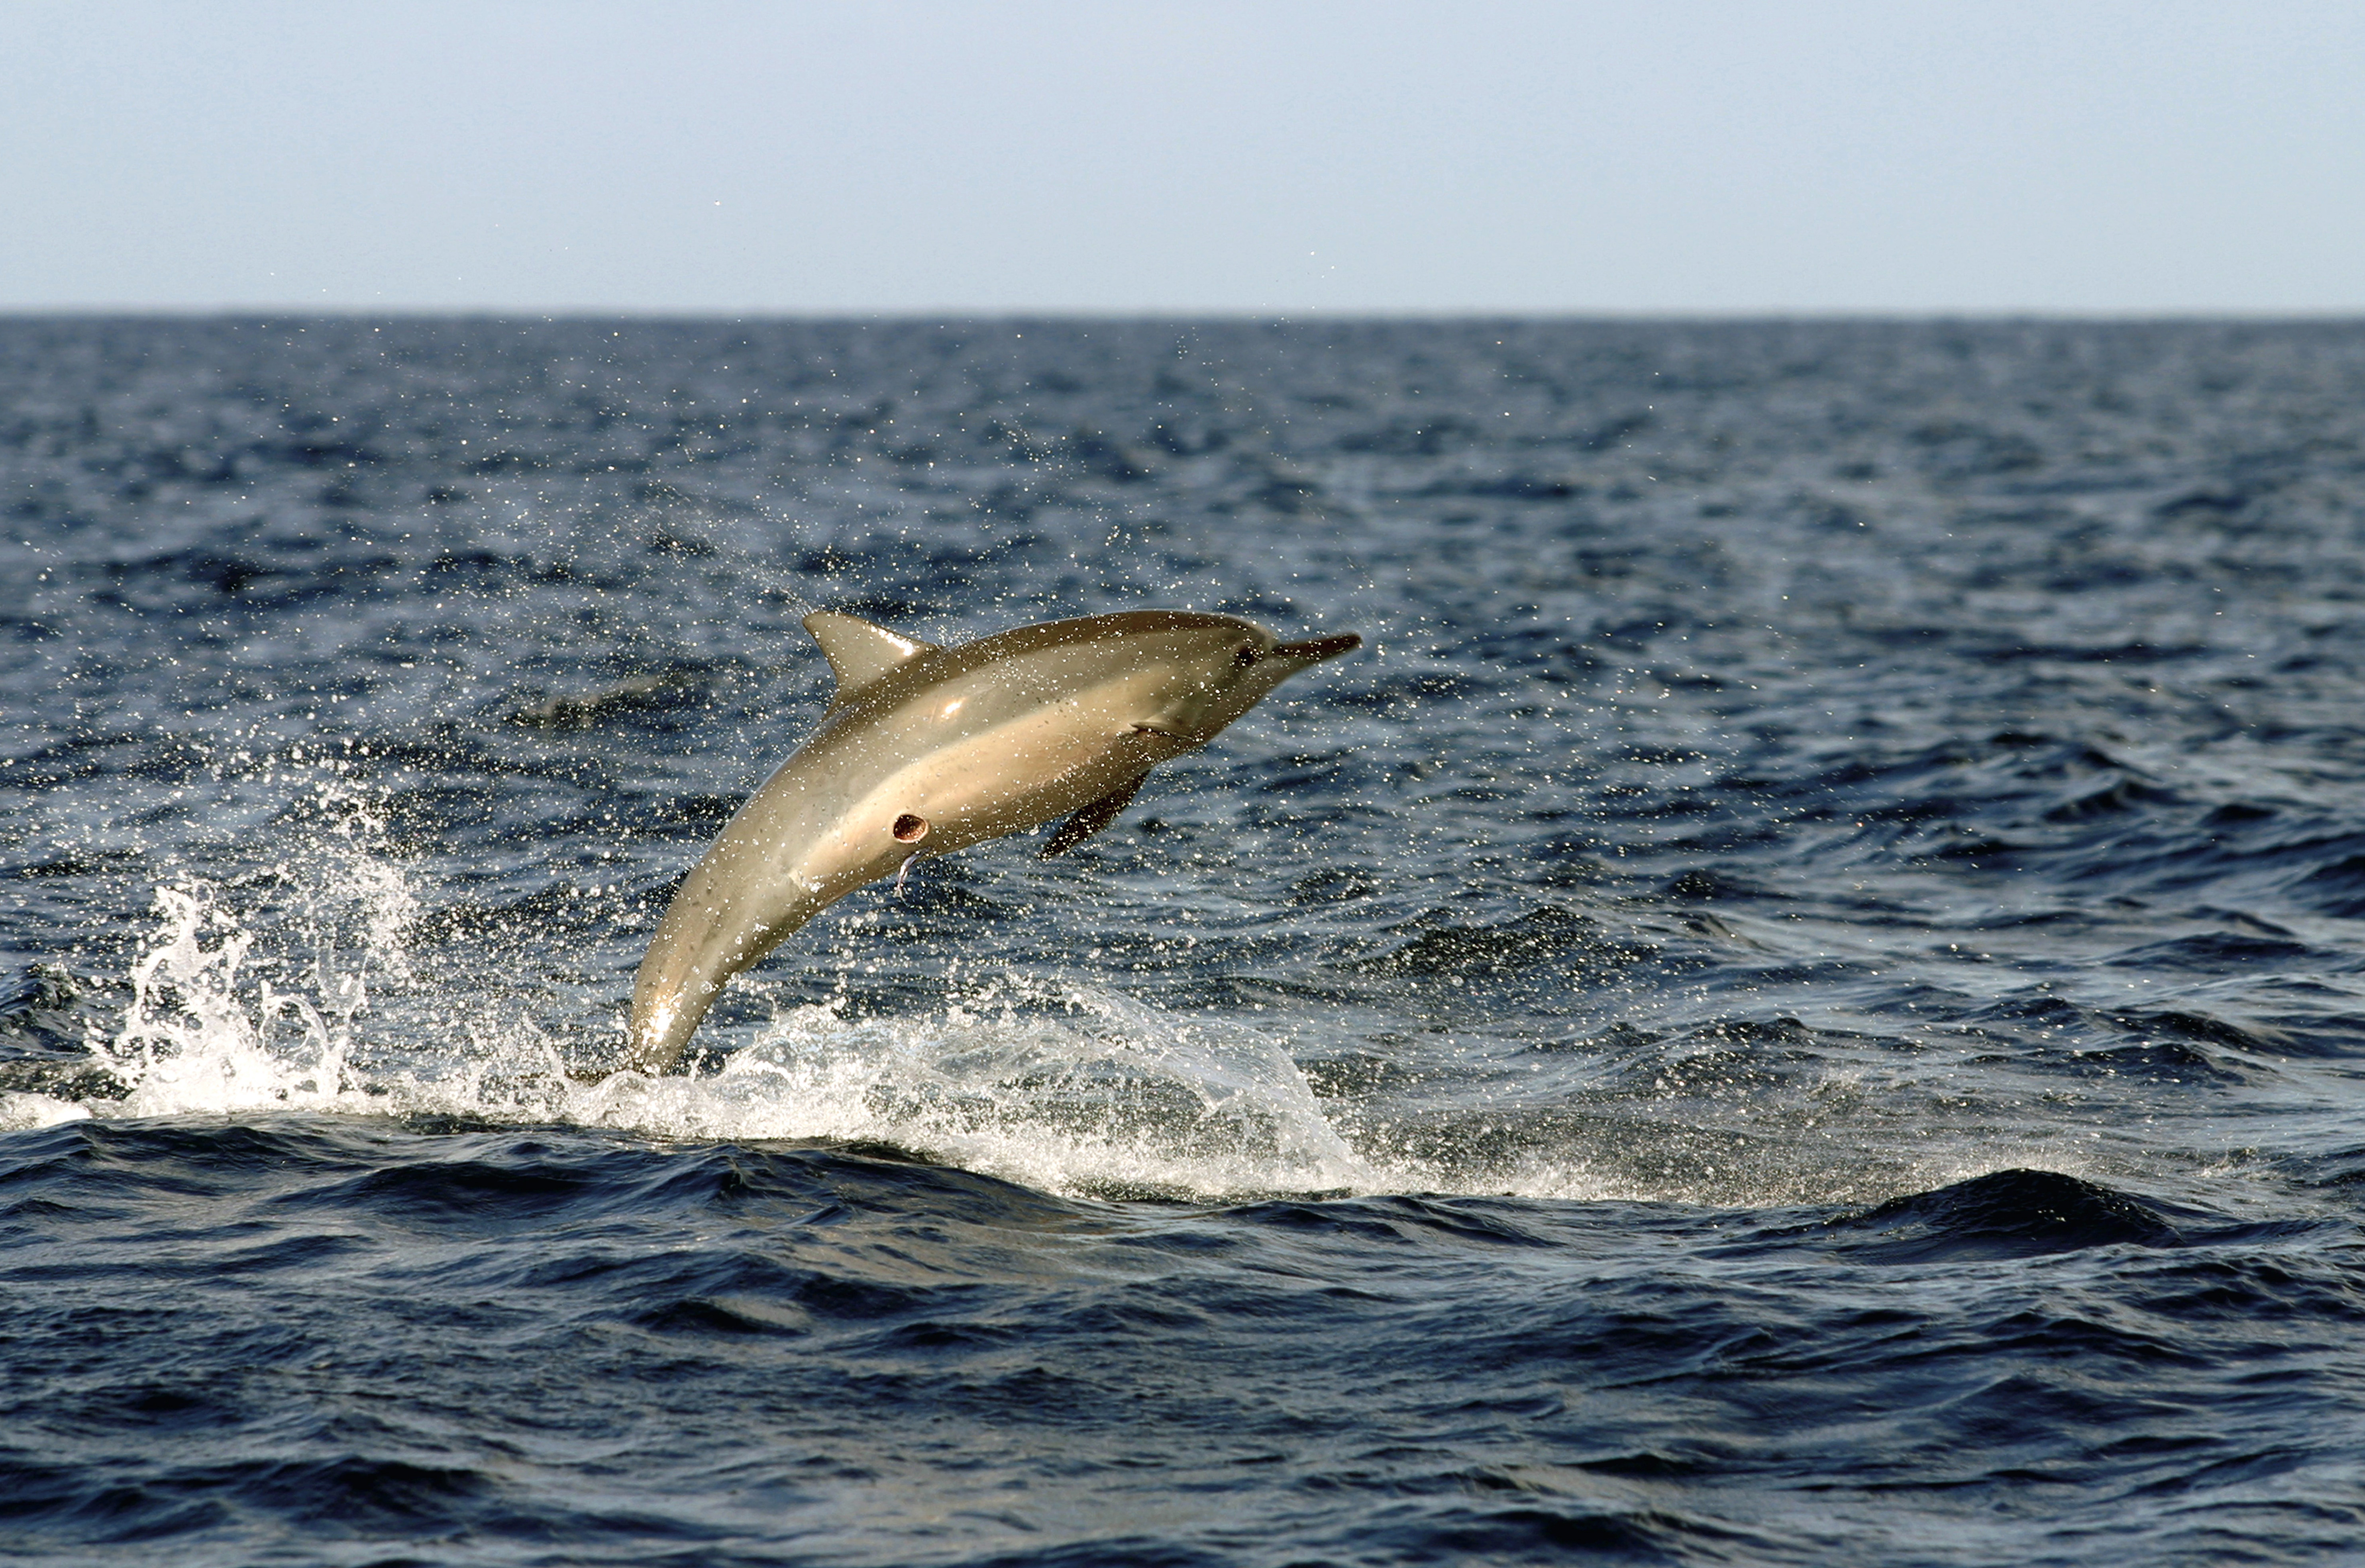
[(860, 651)]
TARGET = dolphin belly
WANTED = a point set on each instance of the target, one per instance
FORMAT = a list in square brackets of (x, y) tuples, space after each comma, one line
[(761, 880)]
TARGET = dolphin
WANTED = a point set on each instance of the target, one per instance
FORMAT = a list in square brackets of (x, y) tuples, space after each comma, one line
[(928, 750)]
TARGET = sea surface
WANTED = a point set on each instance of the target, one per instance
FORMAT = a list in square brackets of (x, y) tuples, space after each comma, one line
[(1802, 999)]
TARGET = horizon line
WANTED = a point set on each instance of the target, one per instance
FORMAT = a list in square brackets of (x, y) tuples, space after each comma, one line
[(949, 314)]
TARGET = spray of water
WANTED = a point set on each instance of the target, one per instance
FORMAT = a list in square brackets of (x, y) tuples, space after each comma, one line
[(201, 1033), (1067, 1088), (292, 989)]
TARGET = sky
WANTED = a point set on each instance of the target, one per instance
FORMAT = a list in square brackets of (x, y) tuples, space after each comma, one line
[(1274, 158)]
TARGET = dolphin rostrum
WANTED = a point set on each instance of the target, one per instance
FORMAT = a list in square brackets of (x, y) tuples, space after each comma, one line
[(929, 749)]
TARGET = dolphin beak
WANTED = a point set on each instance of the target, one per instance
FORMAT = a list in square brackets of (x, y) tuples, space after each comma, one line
[(1314, 649)]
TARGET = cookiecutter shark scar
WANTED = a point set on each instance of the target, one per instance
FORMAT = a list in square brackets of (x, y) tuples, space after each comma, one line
[(928, 750)]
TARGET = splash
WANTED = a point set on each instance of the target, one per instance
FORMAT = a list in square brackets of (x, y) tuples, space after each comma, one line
[(1071, 1089), (269, 993), (190, 1040), (291, 988), (200, 1033), (214, 1026)]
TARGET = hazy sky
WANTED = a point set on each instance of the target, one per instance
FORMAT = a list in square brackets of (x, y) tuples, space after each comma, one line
[(1272, 157)]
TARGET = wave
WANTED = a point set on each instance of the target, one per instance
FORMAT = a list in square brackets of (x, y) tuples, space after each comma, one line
[(299, 992)]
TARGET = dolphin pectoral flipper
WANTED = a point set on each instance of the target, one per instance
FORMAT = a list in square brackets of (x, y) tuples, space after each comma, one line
[(1094, 817)]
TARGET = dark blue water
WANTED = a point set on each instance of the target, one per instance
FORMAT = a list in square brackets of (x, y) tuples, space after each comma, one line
[(1802, 1000)]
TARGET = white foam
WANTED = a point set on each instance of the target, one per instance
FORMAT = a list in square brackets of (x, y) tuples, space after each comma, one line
[(22, 1112), (201, 1034), (1065, 1087), (292, 989), (1072, 1089)]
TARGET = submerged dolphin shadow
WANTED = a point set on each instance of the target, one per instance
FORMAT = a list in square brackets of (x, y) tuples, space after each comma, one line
[(926, 750)]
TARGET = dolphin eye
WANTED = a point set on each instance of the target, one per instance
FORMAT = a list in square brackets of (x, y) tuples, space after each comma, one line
[(1246, 656)]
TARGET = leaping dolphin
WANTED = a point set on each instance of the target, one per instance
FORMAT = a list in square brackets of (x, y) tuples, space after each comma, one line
[(928, 749)]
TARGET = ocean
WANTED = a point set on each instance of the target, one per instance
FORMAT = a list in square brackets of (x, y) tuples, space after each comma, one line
[(1802, 999)]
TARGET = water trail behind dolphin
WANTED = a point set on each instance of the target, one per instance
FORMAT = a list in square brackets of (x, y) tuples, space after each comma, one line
[(1066, 1086)]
